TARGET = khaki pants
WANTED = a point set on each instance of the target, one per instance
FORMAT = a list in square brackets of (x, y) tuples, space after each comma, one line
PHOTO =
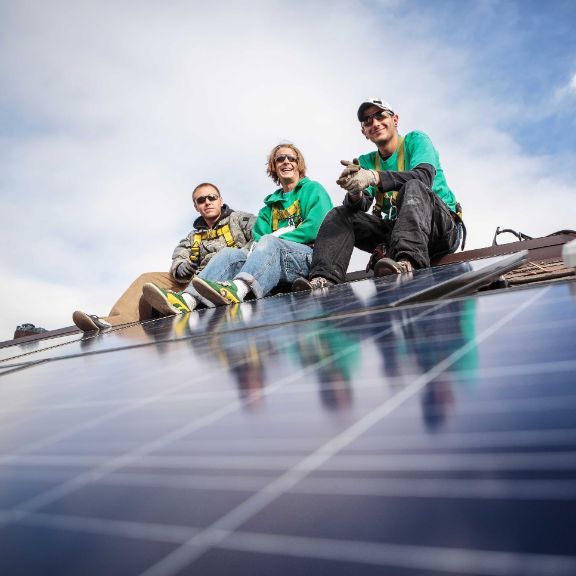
[(131, 307)]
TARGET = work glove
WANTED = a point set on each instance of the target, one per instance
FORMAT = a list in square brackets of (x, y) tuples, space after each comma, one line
[(355, 179), (186, 269)]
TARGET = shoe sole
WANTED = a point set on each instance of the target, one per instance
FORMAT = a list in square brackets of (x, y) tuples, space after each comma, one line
[(386, 267), (301, 285), (209, 293), (89, 323), (153, 295), (84, 321)]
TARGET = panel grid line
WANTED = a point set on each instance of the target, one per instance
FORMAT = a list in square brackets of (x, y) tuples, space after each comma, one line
[(219, 530)]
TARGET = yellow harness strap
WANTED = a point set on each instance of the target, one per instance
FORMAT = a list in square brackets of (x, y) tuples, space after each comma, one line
[(291, 213), (199, 237), (393, 194)]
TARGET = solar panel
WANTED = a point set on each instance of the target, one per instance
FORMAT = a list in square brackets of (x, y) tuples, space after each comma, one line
[(330, 433), (423, 285)]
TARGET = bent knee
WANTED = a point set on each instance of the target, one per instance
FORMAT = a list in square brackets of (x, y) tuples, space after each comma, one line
[(268, 242), (154, 277), (338, 211), (415, 192), (416, 187), (229, 252)]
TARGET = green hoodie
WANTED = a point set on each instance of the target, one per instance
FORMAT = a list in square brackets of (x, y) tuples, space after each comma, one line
[(304, 207)]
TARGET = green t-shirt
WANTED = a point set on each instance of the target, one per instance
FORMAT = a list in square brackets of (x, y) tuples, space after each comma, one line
[(303, 208), (418, 149)]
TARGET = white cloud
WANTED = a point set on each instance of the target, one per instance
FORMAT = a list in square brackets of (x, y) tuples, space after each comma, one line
[(118, 109), (565, 94)]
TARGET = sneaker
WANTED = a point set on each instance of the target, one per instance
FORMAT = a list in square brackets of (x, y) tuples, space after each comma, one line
[(386, 266), (28, 329), (219, 293), (302, 284), (89, 322), (166, 302)]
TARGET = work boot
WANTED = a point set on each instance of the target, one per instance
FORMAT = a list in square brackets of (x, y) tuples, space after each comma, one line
[(381, 251), (386, 266), (302, 284), (28, 330)]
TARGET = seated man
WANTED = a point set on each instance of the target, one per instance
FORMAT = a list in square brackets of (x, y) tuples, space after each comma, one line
[(415, 217), (217, 227), (283, 234)]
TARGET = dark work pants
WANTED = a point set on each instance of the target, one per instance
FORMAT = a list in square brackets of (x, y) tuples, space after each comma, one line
[(423, 230)]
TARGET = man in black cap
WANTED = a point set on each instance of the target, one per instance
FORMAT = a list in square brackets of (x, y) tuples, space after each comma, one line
[(415, 217)]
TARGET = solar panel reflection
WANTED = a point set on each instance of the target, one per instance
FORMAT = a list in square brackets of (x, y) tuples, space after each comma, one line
[(323, 433)]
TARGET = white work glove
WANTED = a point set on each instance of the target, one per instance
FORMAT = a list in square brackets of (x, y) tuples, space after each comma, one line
[(186, 269), (355, 179)]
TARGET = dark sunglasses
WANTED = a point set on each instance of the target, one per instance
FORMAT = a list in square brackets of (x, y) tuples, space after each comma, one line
[(369, 120), (202, 199), (282, 157)]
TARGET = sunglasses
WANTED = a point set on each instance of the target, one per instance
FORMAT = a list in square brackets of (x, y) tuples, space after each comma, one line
[(202, 199), (369, 120), (282, 157)]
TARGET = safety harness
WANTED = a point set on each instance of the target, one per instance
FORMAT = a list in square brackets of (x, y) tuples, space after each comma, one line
[(292, 214), (210, 234), (392, 195)]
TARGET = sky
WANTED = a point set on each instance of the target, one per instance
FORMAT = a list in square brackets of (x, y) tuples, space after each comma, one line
[(111, 112)]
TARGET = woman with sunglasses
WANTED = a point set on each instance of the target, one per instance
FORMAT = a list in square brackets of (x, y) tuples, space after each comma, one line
[(281, 251)]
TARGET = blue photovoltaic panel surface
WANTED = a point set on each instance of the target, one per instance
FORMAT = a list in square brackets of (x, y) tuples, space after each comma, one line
[(423, 285), (322, 434)]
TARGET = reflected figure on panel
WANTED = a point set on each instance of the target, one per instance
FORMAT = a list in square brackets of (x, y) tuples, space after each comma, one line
[(245, 356), (279, 351), (449, 330), (437, 401), (332, 346), (414, 341), (335, 357), (246, 362)]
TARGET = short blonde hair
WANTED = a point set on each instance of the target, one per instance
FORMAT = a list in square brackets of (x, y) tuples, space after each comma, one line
[(271, 170), (204, 185)]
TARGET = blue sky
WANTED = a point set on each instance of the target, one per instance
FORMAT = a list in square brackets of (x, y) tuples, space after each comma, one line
[(111, 112), (522, 52)]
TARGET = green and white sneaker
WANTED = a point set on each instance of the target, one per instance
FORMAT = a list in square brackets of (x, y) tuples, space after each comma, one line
[(166, 302), (89, 322), (219, 293)]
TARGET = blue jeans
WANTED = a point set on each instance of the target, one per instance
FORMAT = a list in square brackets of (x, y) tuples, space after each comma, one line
[(271, 262)]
